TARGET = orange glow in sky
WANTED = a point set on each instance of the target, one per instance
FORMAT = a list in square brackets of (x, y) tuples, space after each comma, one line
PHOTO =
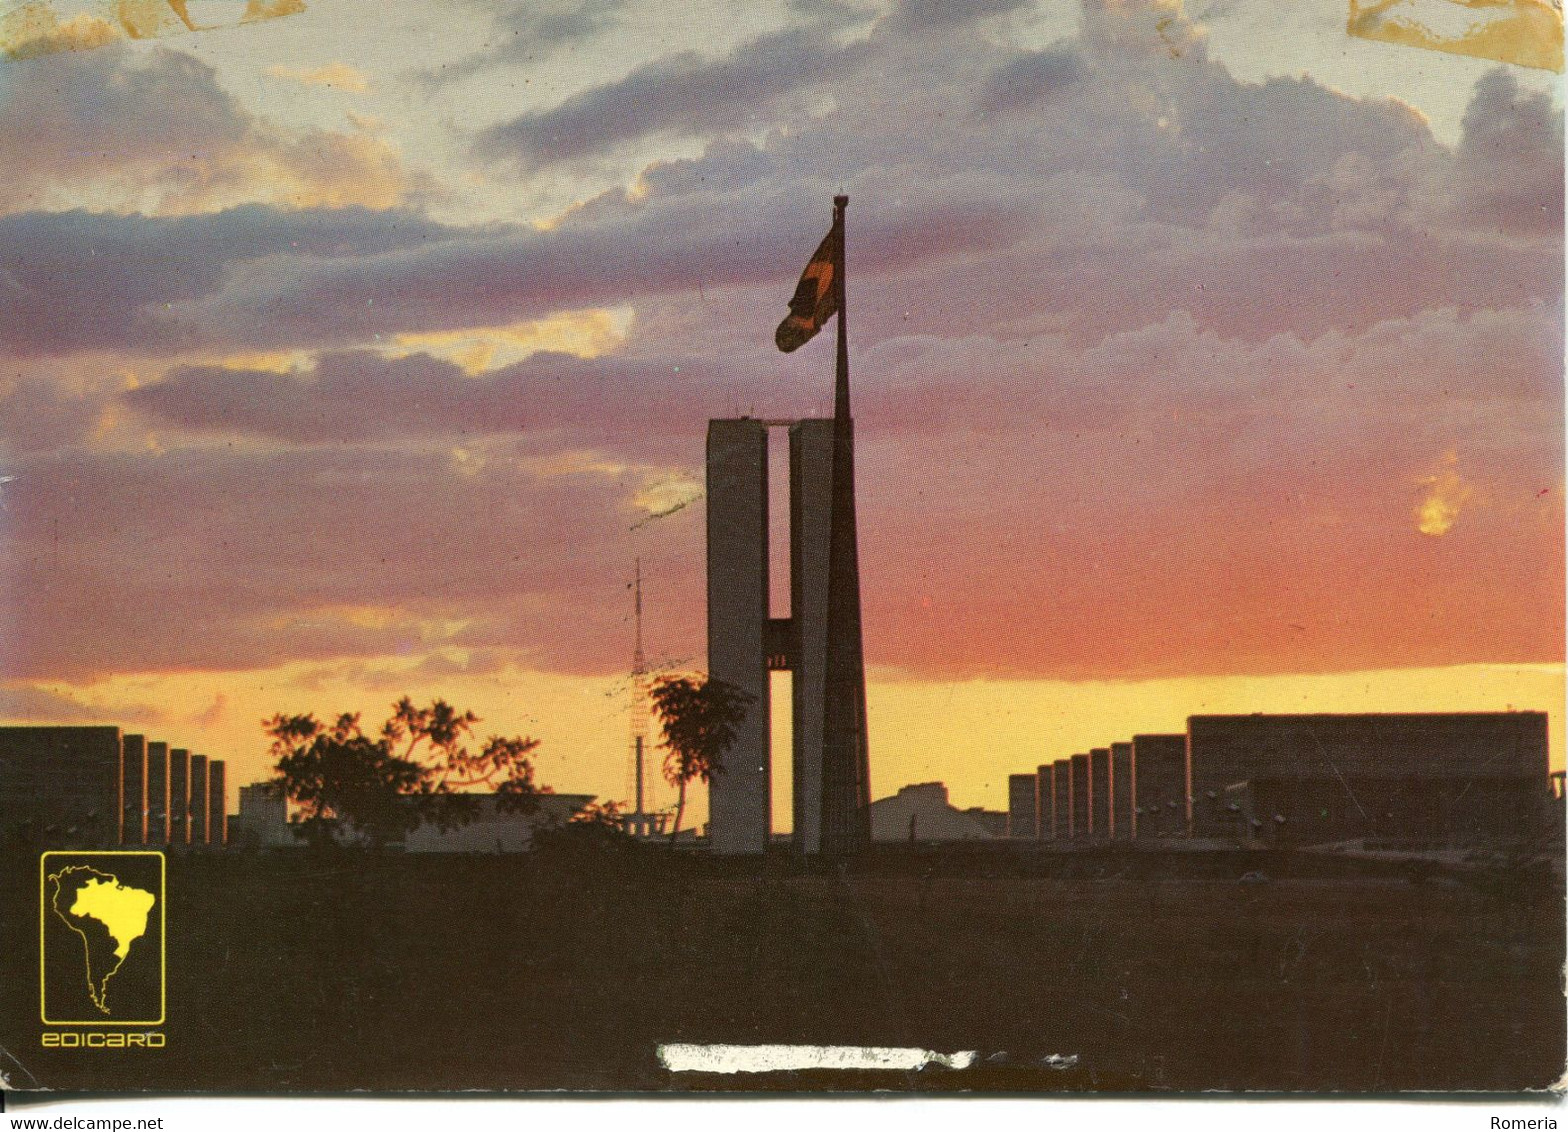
[(1196, 368), (970, 734)]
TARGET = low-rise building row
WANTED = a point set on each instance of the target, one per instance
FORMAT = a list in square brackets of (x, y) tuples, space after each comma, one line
[(1457, 779)]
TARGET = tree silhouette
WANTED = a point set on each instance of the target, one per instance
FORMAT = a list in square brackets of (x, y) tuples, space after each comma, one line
[(598, 828), (698, 716), (610, 816), (417, 768)]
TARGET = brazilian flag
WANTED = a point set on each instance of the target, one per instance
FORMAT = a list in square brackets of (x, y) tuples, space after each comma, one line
[(816, 295)]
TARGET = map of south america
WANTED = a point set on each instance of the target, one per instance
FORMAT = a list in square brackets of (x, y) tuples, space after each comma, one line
[(107, 914)]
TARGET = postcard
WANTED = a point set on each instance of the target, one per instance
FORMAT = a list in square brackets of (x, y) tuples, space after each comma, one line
[(1003, 547)]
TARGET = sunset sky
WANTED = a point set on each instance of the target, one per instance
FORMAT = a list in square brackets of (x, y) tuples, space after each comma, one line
[(1205, 359)]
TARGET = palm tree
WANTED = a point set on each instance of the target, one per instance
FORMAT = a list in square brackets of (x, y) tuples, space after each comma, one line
[(698, 716)]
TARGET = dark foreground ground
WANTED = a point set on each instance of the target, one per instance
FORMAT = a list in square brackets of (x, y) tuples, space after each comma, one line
[(565, 969)]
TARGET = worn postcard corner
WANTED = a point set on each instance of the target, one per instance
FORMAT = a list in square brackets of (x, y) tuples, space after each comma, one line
[(985, 547)]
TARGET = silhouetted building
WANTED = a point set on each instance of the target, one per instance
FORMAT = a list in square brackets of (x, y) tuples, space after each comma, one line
[(133, 789), (740, 798), (1023, 806), (179, 796), (157, 793), (921, 812), (1045, 791), (1460, 778), (60, 786), (1161, 796), (810, 489), (1099, 793), (262, 821), (217, 803), (1123, 821), (198, 810), (1067, 827), (831, 785), (1080, 786), (994, 822)]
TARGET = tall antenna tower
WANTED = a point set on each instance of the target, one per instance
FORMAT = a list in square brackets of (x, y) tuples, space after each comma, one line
[(640, 823)]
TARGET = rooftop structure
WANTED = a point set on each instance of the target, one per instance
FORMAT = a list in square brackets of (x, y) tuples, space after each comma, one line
[(1459, 777), (922, 812), (1123, 820), (1023, 807), (92, 787), (1438, 778), (1045, 794), (1160, 800), (60, 786)]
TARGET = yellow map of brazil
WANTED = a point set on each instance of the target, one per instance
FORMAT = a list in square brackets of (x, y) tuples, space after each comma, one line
[(108, 916)]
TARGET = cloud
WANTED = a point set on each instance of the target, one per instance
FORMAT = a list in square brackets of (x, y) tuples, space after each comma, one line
[(41, 705), (920, 16), (585, 334), (1112, 183), (1162, 484), (1172, 501), (1031, 80), (765, 80), (1147, 367), (531, 33), (229, 558), (363, 396), (239, 290), (439, 665), (1446, 494), (333, 76), (1508, 170), (1143, 28), (142, 264), (684, 95), (154, 132), (1405, 376), (691, 95), (544, 26), (213, 714), (38, 414), (597, 258)]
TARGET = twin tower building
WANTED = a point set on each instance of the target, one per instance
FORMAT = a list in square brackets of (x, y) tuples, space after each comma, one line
[(819, 643)]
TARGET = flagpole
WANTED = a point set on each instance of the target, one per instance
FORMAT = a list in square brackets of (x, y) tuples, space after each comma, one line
[(846, 814), (841, 385)]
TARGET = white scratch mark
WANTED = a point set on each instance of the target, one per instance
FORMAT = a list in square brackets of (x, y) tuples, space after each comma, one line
[(686, 1057), (664, 514), (6, 1080)]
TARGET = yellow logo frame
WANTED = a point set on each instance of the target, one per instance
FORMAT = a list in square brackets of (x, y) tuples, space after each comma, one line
[(163, 935)]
